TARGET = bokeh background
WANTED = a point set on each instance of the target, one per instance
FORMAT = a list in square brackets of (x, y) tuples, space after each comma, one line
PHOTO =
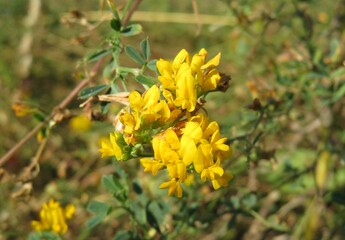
[(288, 146)]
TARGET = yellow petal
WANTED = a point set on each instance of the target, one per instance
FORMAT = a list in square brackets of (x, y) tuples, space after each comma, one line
[(212, 63), (179, 59)]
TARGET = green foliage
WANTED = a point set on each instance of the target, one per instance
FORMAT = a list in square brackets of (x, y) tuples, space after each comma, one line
[(285, 106)]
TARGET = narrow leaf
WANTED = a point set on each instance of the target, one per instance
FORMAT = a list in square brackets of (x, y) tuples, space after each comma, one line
[(145, 49), (340, 93), (134, 54), (98, 55), (146, 80), (111, 184), (98, 207), (92, 91), (95, 220)]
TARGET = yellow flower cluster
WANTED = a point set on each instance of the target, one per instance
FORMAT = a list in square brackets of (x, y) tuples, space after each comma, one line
[(197, 147), (185, 79), (53, 217), (165, 129)]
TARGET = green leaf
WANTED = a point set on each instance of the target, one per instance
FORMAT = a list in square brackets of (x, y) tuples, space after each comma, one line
[(338, 73), (249, 201), (152, 65), (34, 236), (146, 80), (339, 93), (134, 55), (92, 91), (155, 213), (158, 210), (39, 116), (116, 24), (136, 187), (145, 48), (98, 55), (114, 186), (139, 211), (338, 197), (113, 10), (108, 70), (111, 184), (95, 220), (43, 236), (98, 207), (105, 107), (122, 235), (131, 30)]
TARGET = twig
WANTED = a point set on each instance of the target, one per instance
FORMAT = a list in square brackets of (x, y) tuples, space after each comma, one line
[(66, 100), (246, 136), (197, 17), (60, 106), (130, 12)]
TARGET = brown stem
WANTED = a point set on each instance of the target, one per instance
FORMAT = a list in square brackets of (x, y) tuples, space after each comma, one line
[(66, 100), (130, 12), (69, 98)]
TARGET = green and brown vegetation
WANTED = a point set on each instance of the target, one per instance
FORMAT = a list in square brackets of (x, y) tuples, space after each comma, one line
[(67, 68)]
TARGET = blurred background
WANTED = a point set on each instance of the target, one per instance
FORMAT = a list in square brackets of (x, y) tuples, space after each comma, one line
[(288, 144)]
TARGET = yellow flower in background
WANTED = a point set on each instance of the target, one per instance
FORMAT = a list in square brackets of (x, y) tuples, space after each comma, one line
[(80, 123), (53, 217), (22, 109), (110, 147)]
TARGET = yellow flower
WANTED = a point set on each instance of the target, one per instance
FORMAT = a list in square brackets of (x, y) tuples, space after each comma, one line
[(206, 74), (149, 99), (174, 187), (22, 109), (151, 165), (130, 121), (185, 78), (185, 89), (80, 123), (221, 181), (53, 217), (111, 148), (178, 83)]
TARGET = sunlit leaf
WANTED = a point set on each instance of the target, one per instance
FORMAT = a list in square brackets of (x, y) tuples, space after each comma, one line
[(131, 30)]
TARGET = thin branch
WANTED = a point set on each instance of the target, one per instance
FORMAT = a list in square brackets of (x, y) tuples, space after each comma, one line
[(130, 12), (68, 99)]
